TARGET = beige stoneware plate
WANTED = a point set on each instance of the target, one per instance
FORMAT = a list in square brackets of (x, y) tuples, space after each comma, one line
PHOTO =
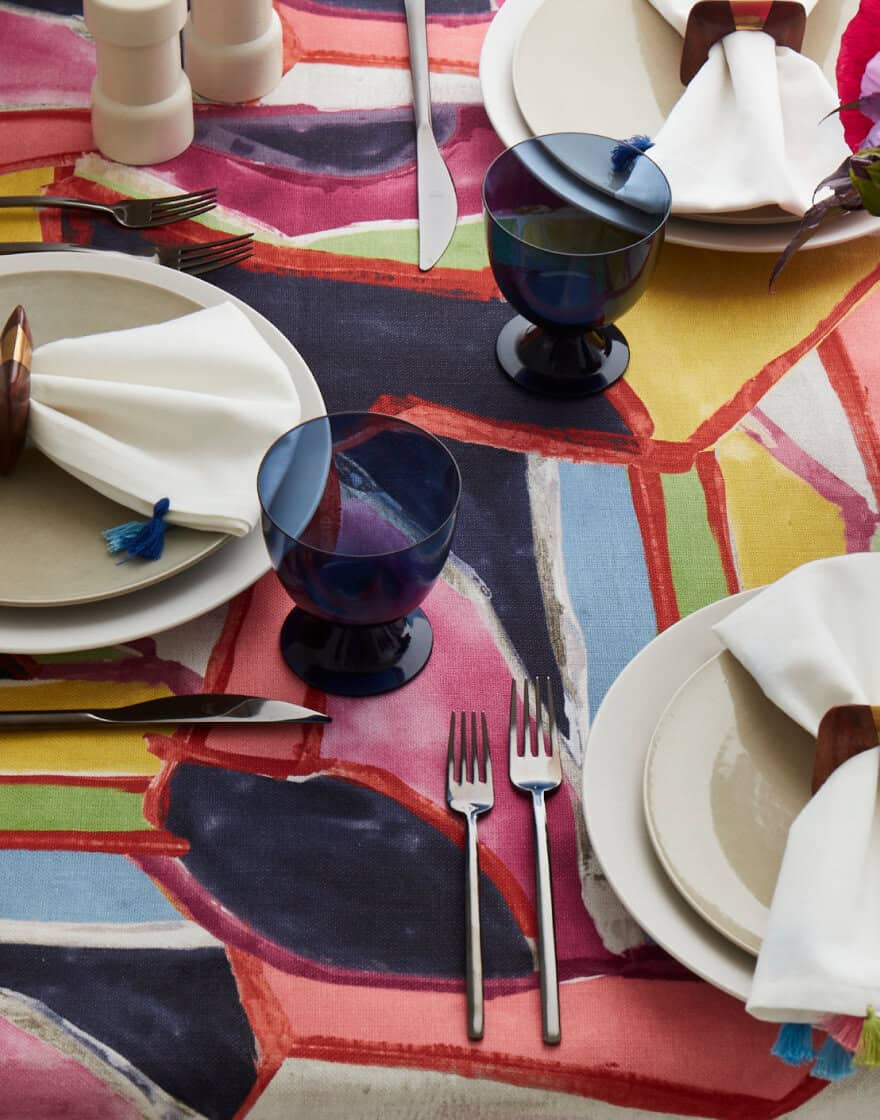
[(726, 774), (51, 551)]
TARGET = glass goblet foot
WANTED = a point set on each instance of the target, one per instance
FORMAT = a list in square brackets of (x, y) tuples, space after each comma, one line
[(556, 365)]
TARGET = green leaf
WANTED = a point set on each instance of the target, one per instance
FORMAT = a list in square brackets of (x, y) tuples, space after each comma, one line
[(864, 174)]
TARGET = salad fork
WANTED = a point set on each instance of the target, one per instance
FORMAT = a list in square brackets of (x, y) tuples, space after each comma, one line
[(538, 772), (194, 259), (470, 794), (133, 213)]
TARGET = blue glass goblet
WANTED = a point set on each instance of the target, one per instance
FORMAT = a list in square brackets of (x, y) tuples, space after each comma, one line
[(574, 224), (358, 515)]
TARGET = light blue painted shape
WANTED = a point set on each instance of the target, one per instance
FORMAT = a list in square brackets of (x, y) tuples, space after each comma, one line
[(605, 569), (78, 887)]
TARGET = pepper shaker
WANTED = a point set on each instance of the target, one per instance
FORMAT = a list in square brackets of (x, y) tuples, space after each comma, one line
[(233, 49), (142, 108)]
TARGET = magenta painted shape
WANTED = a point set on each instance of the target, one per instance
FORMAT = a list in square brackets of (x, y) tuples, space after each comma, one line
[(44, 62), (39, 1082)]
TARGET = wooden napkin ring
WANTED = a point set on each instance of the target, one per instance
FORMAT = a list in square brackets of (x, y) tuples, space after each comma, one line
[(16, 348), (711, 20), (844, 732)]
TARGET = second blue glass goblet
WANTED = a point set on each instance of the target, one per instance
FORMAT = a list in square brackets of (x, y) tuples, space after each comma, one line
[(574, 224), (359, 510)]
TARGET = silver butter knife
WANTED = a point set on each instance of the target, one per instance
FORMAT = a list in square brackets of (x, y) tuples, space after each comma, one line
[(207, 707), (438, 205)]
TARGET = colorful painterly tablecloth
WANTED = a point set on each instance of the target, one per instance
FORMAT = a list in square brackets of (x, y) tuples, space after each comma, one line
[(269, 924)]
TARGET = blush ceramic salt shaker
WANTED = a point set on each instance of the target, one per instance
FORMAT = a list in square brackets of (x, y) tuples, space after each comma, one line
[(142, 108), (232, 49)]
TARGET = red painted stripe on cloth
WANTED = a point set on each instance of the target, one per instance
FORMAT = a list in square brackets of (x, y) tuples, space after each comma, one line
[(712, 481), (649, 504), (148, 842), (853, 395), (126, 783)]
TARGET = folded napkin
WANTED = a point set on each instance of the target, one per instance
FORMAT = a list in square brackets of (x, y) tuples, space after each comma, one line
[(746, 132), (182, 410), (811, 642)]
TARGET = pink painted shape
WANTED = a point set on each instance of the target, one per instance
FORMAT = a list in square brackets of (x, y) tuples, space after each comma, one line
[(39, 1082), (405, 733), (44, 62), (298, 202), (43, 134), (621, 1041)]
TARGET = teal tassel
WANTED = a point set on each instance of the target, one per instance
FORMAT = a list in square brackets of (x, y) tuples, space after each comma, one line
[(140, 538), (794, 1044), (834, 1062)]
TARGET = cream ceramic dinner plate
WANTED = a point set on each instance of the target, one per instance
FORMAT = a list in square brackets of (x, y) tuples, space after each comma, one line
[(726, 774), (75, 293), (612, 799), (620, 102)]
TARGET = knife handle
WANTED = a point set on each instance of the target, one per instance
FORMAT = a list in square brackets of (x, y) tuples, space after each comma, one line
[(34, 721), (417, 34)]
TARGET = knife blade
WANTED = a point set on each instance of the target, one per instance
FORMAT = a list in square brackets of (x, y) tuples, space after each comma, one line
[(438, 204), (205, 708)]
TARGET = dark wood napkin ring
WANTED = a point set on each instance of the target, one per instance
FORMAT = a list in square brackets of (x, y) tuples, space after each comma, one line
[(844, 732), (16, 348), (711, 20)]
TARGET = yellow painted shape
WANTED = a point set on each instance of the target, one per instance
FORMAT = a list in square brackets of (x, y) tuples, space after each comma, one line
[(706, 324), (773, 536), (106, 751), (24, 224)]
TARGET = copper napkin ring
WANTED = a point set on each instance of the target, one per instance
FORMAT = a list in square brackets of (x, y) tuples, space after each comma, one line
[(16, 347), (711, 20)]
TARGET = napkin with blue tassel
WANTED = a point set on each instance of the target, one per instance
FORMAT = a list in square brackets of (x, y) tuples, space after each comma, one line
[(810, 641), (170, 420)]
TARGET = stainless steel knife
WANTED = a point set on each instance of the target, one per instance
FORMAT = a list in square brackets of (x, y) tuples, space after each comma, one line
[(438, 205), (201, 708)]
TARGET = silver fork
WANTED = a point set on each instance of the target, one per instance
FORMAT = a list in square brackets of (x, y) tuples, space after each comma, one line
[(470, 794), (538, 772), (194, 259), (134, 213)]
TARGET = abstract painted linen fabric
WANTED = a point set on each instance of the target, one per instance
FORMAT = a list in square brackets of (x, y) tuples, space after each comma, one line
[(267, 923)]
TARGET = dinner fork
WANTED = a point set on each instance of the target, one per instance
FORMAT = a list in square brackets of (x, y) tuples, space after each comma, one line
[(538, 772), (194, 259), (470, 794), (133, 213)]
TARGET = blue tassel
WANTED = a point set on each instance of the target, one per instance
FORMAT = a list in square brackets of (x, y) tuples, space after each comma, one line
[(623, 156), (834, 1061), (794, 1044), (140, 538)]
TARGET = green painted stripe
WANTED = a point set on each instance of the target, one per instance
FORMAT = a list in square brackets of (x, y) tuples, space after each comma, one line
[(81, 808), (467, 250), (697, 574)]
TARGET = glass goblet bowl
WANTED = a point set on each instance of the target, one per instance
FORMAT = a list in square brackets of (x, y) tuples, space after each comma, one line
[(358, 514), (574, 224)]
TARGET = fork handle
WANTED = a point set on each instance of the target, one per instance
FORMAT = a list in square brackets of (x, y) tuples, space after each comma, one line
[(40, 200), (473, 948), (547, 969)]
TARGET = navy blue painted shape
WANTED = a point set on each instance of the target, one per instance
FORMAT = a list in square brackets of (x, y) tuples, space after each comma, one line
[(338, 874), (174, 1015), (56, 7), (392, 7), (344, 144)]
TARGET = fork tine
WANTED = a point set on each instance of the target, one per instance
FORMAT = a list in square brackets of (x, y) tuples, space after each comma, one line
[(527, 725), (474, 775), (513, 743), (539, 720), (208, 264), (211, 248), (487, 754), (551, 720), (185, 214), (176, 201), (450, 754)]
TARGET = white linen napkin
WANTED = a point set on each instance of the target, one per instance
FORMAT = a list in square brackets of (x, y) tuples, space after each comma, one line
[(182, 410), (746, 132), (811, 641)]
